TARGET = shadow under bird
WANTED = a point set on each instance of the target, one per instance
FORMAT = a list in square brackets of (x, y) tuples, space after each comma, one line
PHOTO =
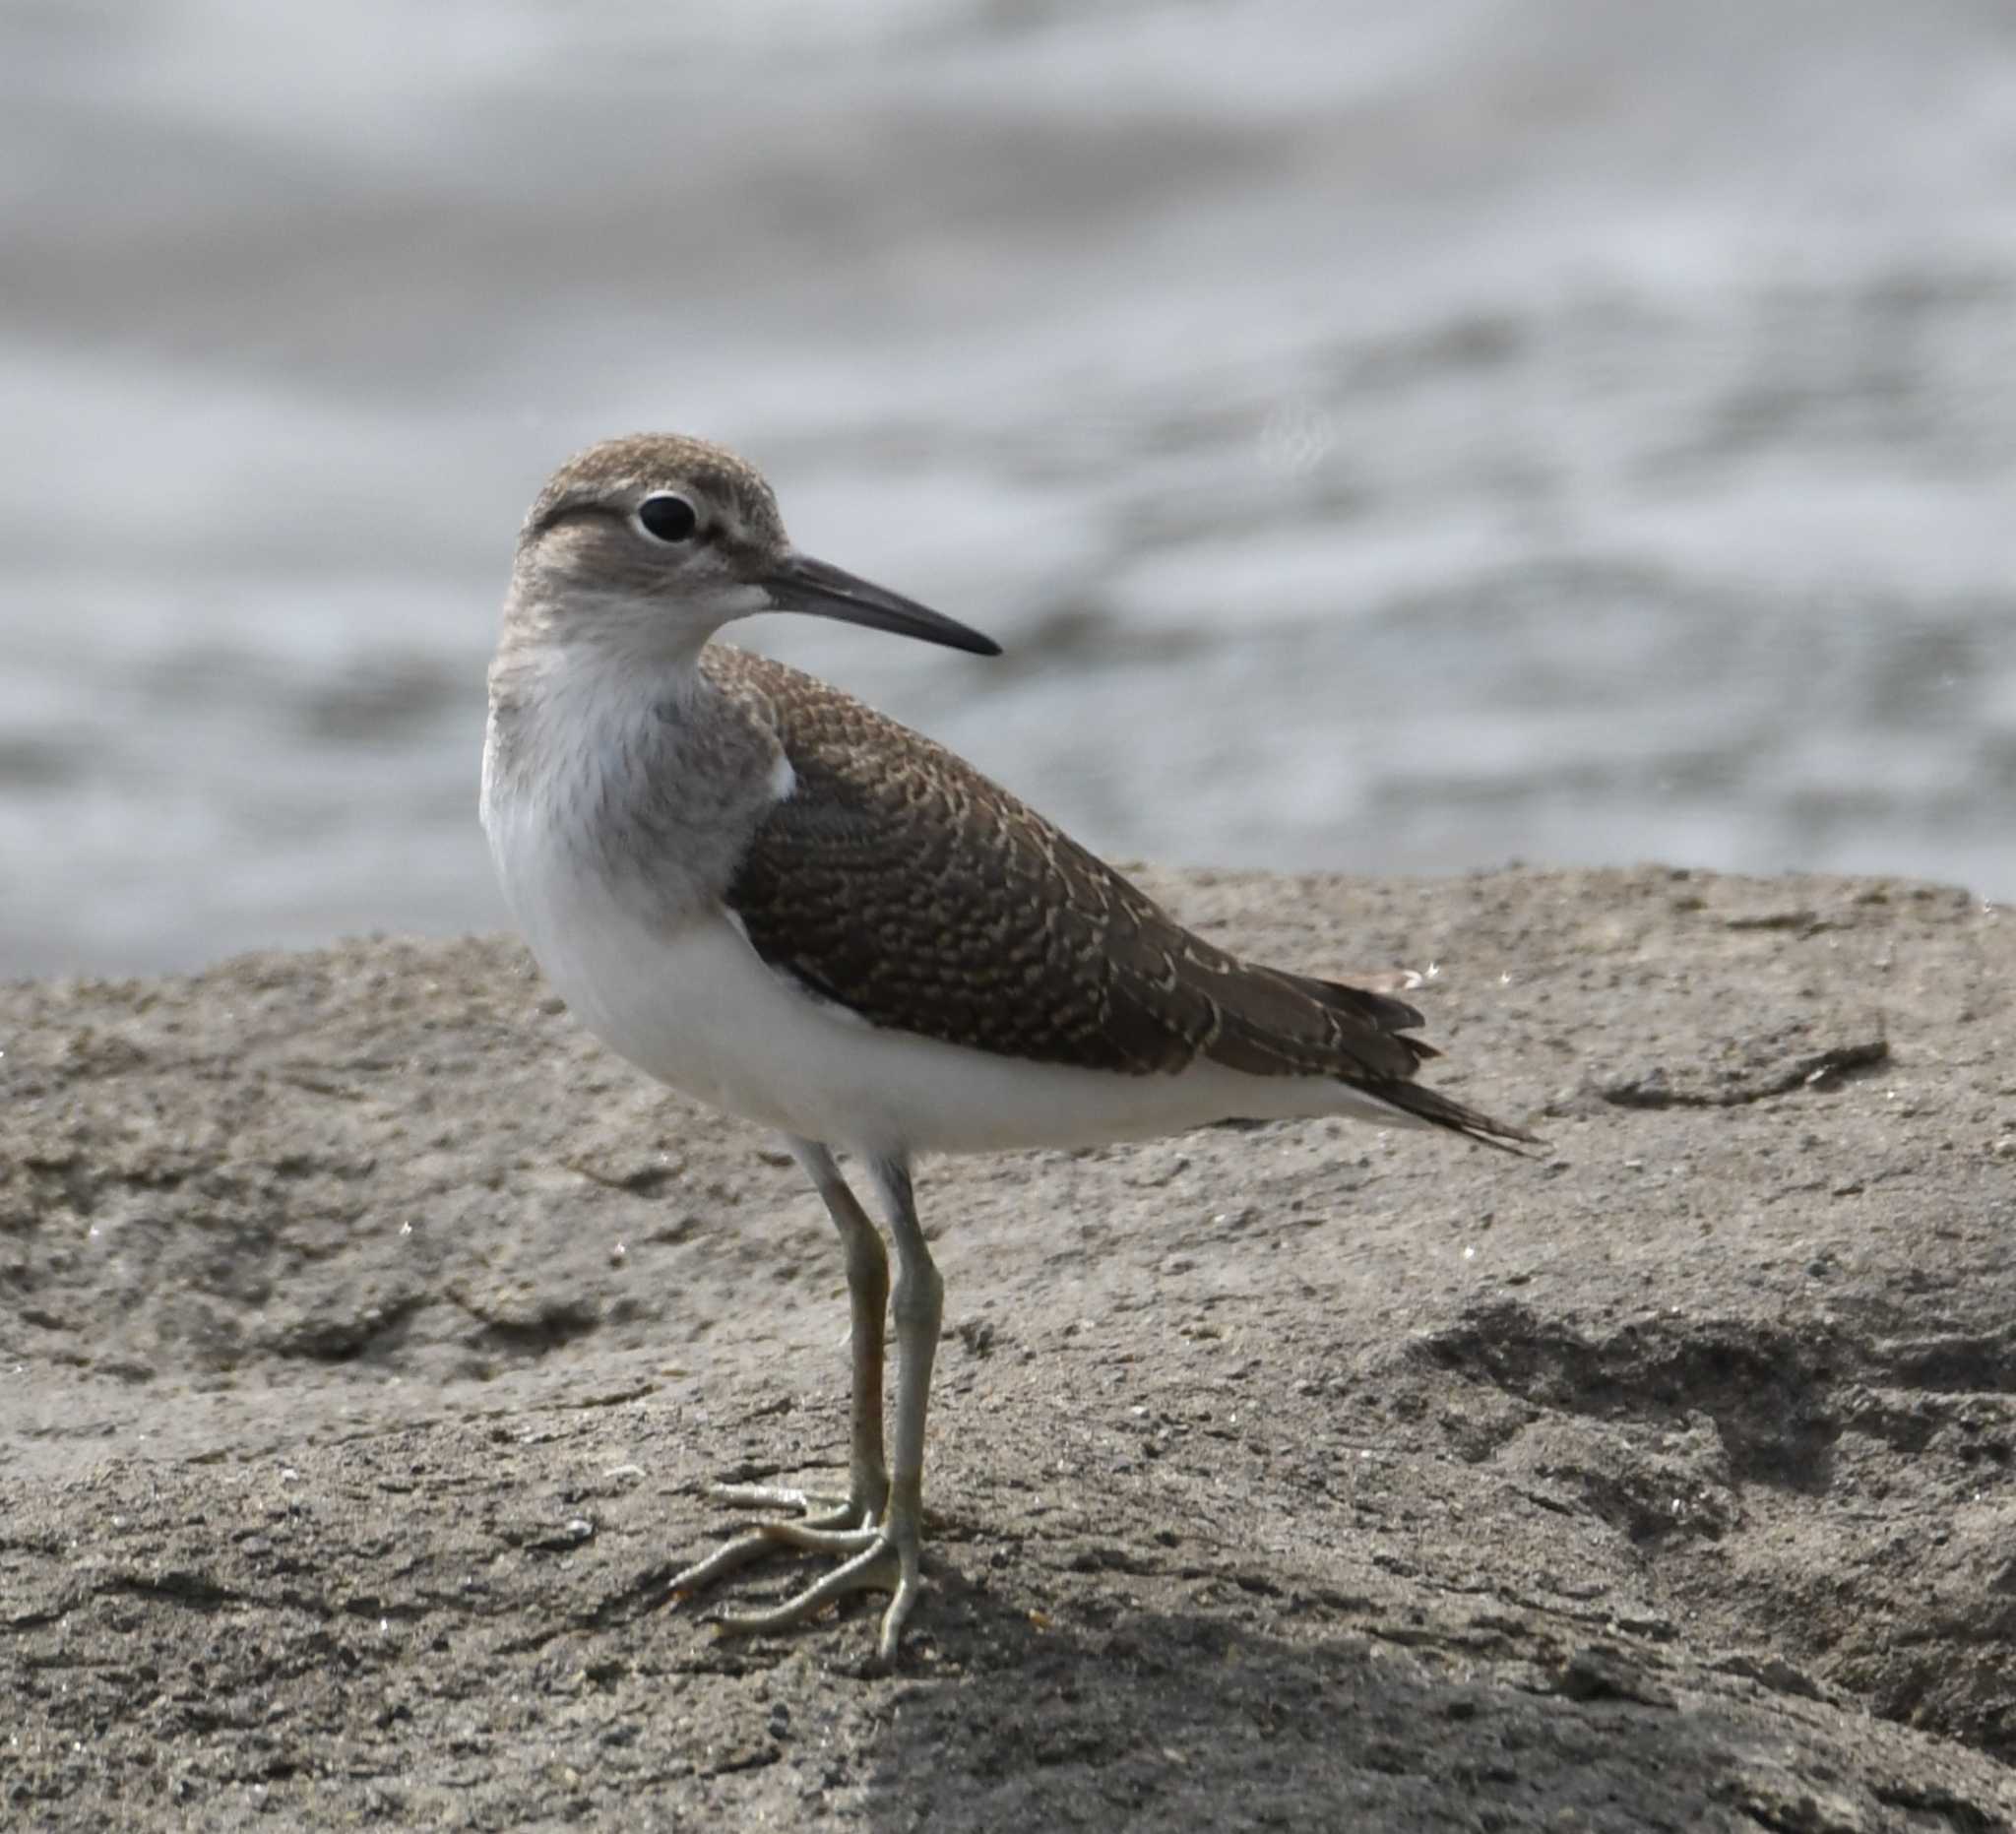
[(780, 903)]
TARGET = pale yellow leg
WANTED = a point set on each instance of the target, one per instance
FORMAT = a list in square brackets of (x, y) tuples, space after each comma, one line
[(886, 1557), (826, 1525)]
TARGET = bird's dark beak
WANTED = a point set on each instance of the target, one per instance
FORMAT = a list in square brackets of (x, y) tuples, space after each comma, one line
[(799, 583)]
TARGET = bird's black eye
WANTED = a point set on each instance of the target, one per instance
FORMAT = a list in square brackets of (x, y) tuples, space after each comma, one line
[(667, 518)]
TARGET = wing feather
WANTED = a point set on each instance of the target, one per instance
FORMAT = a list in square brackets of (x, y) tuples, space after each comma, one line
[(903, 884)]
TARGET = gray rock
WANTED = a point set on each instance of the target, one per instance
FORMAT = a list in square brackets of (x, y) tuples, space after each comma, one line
[(367, 1338)]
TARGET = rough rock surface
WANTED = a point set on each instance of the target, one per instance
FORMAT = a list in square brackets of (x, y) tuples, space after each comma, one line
[(368, 1336)]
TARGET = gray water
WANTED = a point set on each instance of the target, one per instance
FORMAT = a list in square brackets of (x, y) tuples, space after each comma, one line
[(1388, 435)]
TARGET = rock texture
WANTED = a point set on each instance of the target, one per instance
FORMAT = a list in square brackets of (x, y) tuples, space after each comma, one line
[(367, 1339)]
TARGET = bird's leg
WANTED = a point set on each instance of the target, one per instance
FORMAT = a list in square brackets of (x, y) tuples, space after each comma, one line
[(825, 1525), (867, 1288), (888, 1559), (919, 1311)]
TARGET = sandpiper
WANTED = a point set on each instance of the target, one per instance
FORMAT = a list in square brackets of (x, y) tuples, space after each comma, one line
[(776, 901)]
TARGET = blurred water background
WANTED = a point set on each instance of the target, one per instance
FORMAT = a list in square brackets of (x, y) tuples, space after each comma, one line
[(1388, 434)]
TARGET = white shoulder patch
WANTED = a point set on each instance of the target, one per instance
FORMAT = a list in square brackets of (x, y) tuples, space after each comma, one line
[(782, 779), (783, 977)]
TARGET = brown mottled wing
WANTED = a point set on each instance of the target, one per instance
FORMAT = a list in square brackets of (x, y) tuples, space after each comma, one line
[(900, 883)]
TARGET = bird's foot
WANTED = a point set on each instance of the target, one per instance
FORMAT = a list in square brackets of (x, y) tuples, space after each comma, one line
[(823, 1525), (858, 1510), (876, 1557), (883, 1560)]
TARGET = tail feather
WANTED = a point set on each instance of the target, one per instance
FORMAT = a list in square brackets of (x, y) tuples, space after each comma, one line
[(1441, 1110), (1271, 1022)]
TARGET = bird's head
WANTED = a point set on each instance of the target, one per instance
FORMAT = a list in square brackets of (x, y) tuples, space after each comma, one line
[(652, 542)]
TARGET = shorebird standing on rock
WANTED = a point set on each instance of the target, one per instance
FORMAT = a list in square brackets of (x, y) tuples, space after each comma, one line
[(780, 903)]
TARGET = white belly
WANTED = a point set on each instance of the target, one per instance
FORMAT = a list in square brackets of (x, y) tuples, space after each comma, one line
[(696, 1007)]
